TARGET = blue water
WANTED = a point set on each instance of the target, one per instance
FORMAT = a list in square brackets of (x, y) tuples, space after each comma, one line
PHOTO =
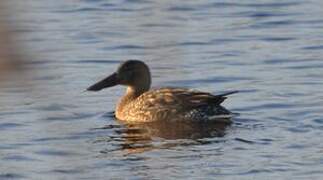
[(271, 51)]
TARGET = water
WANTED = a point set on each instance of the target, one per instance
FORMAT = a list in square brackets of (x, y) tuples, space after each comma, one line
[(268, 50)]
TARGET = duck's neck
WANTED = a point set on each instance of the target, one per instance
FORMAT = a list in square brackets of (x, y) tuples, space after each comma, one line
[(131, 94)]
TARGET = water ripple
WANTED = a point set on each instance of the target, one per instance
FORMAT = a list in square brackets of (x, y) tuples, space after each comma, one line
[(53, 152), (318, 47), (256, 5), (11, 176), (125, 47), (97, 61), (6, 126)]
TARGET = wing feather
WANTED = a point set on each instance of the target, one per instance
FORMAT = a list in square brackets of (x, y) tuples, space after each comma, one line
[(181, 98)]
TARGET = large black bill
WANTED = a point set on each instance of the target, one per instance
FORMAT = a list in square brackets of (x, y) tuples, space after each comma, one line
[(110, 81)]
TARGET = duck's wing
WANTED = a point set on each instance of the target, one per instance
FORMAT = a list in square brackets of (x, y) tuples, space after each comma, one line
[(181, 98), (197, 98)]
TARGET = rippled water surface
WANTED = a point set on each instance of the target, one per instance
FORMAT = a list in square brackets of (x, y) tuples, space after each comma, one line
[(271, 51)]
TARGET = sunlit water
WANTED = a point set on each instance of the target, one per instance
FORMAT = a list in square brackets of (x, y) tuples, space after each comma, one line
[(271, 51)]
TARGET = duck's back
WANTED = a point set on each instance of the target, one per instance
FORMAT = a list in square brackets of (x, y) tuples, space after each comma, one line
[(175, 104)]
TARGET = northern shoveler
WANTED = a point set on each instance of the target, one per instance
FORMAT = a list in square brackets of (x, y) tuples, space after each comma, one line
[(140, 104)]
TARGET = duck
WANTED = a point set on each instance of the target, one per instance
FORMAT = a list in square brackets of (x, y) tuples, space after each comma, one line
[(142, 104)]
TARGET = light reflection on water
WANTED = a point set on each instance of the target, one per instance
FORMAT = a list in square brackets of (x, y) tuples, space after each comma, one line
[(270, 51)]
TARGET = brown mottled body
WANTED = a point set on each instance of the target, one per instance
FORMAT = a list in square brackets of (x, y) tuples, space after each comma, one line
[(168, 104)]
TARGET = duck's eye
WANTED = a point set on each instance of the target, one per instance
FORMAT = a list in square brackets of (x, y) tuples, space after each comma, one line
[(129, 72), (126, 75)]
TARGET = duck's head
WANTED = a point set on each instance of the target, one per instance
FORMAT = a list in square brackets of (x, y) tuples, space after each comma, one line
[(132, 73)]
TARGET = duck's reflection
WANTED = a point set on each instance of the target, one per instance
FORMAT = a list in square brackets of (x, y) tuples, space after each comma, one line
[(173, 130), (137, 138)]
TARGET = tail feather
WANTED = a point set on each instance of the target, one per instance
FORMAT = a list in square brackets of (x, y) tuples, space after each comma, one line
[(221, 97), (228, 93)]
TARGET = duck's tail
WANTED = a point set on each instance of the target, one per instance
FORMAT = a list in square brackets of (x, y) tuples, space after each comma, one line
[(228, 93), (219, 98)]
